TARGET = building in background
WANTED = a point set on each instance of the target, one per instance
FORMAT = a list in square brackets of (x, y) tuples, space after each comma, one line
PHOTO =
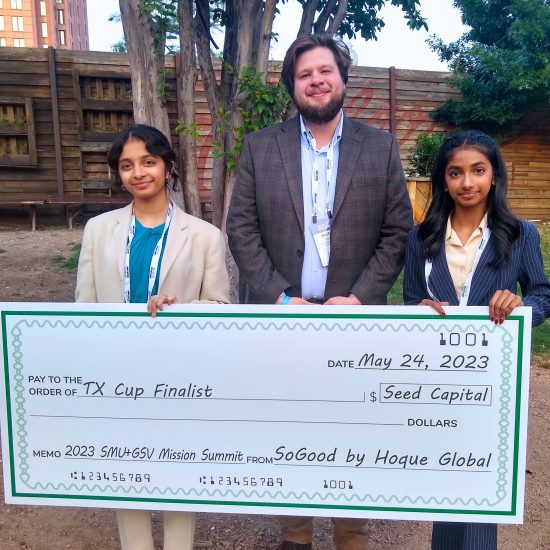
[(43, 23)]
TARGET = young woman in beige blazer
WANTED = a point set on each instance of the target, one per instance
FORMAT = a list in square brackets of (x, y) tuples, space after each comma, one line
[(150, 252)]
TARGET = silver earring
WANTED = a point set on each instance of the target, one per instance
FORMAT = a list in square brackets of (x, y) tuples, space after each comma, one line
[(170, 181)]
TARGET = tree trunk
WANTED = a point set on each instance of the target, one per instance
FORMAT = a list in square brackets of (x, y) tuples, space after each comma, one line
[(147, 65), (186, 78), (308, 17), (247, 12), (339, 17), (262, 54), (217, 98)]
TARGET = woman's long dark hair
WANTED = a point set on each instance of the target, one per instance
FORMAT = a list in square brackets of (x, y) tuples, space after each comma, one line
[(503, 224), (155, 142)]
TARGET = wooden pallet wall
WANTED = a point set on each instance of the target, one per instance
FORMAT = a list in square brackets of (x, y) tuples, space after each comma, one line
[(93, 95), (24, 74), (527, 155)]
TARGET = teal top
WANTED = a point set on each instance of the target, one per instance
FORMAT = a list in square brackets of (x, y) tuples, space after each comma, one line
[(143, 245)]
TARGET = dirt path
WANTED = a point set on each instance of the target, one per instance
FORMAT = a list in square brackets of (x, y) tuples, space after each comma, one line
[(28, 273)]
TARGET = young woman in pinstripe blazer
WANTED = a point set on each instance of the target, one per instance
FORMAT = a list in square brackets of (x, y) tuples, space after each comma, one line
[(471, 250)]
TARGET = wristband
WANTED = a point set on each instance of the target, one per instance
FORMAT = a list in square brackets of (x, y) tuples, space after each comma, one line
[(285, 300)]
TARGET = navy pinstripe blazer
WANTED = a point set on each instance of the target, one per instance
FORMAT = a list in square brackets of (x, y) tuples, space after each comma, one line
[(525, 266)]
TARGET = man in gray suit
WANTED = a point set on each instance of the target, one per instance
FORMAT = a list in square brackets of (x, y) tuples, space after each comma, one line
[(319, 214)]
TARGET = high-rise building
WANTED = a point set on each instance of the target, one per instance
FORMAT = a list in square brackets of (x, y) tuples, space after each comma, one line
[(43, 23)]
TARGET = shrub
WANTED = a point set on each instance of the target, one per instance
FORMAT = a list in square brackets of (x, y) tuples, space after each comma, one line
[(422, 154)]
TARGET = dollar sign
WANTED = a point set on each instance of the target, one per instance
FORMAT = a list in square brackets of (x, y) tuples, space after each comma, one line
[(373, 396)]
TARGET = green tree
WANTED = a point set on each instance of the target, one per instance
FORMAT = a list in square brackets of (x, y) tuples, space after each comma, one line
[(354, 17), (247, 27), (119, 47), (501, 65)]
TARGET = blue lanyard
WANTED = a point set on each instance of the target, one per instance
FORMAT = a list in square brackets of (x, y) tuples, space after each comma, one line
[(153, 268)]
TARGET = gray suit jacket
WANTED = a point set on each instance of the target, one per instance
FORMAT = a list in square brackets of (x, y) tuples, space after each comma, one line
[(372, 214)]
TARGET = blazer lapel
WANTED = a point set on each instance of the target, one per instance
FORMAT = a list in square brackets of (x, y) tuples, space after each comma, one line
[(175, 241), (119, 236), (291, 154), (350, 149), (441, 282)]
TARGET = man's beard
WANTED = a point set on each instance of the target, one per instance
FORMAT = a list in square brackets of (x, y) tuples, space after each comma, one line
[(321, 115)]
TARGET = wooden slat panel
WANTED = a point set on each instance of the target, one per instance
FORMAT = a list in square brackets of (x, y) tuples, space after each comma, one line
[(103, 81)]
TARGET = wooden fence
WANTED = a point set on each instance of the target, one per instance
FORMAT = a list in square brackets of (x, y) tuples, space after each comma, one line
[(527, 157), (59, 110)]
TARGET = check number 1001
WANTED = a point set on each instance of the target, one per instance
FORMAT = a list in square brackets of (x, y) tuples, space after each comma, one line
[(468, 339)]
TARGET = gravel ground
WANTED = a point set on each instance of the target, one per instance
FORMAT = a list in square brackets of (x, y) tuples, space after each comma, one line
[(28, 273)]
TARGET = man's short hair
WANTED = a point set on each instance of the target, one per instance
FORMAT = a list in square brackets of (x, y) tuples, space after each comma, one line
[(308, 42)]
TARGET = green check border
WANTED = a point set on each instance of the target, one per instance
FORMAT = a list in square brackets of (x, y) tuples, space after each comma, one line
[(254, 321)]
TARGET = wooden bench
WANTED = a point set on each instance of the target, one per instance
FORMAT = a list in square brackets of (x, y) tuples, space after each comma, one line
[(29, 204), (75, 204)]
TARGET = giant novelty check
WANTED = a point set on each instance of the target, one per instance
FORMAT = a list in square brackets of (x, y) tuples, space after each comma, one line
[(382, 412)]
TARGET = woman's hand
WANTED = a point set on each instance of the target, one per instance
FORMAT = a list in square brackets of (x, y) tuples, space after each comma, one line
[(156, 303), (436, 305), (502, 304)]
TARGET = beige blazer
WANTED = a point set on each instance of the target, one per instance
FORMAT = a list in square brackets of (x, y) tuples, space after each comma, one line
[(193, 263)]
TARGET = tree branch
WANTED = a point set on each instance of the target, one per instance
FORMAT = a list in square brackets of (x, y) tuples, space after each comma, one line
[(308, 17), (206, 25), (201, 25), (339, 17), (322, 20), (229, 50)]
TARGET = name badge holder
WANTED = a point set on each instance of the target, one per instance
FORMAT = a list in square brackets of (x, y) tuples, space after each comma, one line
[(321, 236), (321, 225)]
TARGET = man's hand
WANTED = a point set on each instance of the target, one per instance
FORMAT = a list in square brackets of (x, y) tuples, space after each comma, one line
[(343, 301)]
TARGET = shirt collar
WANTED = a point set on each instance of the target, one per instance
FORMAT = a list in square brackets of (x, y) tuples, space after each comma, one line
[(452, 238), (310, 138)]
